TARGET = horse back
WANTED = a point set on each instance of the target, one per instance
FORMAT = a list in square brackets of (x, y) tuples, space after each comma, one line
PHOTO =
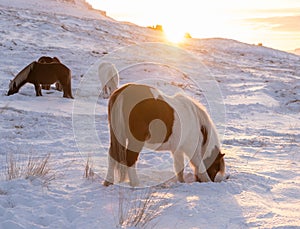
[(48, 73), (127, 96), (147, 116), (48, 59)]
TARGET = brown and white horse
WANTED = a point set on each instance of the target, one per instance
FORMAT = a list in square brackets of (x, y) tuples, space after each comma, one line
[(48, 60), (142, 116), (37, 74)]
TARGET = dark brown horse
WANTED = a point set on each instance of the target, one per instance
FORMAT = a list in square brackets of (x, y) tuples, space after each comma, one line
[(37, 74), (48, 60), (142, 116)]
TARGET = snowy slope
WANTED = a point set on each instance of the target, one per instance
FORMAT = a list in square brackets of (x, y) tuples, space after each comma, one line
[(257, 87)]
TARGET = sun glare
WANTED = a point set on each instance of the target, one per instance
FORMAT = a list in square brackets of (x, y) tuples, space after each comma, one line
[(174, 36), (253, 22)]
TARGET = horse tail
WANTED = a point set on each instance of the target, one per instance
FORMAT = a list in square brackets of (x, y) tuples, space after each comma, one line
[(66, 82), (70, 84), (118, 135), (116, 77)]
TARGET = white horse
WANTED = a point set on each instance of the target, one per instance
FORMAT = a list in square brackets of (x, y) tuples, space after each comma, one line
[(109, 79), (140, 115)]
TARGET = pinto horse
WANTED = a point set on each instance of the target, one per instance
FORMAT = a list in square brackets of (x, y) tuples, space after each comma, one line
[(140, 115), (48, 60), (37, 74), (109, 78)]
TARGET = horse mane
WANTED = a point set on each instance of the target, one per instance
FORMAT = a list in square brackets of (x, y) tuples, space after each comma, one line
[(207, 127), (22, 75)]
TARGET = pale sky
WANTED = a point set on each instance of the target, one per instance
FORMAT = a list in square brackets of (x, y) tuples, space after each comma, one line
[(275, 23)]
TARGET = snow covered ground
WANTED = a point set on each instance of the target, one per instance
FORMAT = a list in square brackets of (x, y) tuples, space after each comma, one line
[(251, 92)]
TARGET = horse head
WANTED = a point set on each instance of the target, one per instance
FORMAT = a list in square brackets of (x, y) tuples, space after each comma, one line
[(12, 88), (215, 165)]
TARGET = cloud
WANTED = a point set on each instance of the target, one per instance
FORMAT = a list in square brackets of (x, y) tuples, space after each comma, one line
[(278, 23)]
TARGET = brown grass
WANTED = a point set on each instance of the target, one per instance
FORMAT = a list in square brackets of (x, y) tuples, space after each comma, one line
[(139, 208), (13, 170), (88, 169), (35, 168)]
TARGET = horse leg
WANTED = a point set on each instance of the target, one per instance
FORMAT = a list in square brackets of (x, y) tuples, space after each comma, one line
[(115, 156), (179, 165), (133, 177), (111, 86), (58, 86), (67, 90), (199, 169), (105, 92), (38, 89), (109, 180), (132, 154)]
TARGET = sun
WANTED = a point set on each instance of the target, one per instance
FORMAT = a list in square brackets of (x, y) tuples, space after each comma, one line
[(173, 35)]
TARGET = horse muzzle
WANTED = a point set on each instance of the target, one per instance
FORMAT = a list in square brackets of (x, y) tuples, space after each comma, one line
[(221, 177)]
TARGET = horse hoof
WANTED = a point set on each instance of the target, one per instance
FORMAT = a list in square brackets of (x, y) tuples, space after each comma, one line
[(68, 96), (107, 183), (180, 180), (134, 184)]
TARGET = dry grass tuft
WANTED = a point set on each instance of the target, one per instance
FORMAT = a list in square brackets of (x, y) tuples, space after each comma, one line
[(35, 168), (88, 170), (139, 207), (13, 170)]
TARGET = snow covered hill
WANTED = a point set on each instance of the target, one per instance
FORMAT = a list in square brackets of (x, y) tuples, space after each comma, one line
[(251, 92)]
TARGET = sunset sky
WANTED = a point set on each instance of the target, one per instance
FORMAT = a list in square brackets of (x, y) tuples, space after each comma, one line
[(275, 23)]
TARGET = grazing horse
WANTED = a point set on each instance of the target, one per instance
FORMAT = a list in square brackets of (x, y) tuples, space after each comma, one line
[(47, 60), (140, 115), (37, 74), (109, 79)]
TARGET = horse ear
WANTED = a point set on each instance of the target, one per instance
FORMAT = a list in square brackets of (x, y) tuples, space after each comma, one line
[(220, 155), (216, 149)]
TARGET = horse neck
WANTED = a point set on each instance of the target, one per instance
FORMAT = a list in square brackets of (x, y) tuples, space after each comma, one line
[(21, 84), (22, 77)]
